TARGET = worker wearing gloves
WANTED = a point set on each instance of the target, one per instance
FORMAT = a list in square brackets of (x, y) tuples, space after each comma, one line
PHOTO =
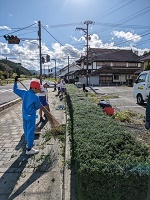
[(147, 123), (30, 104)]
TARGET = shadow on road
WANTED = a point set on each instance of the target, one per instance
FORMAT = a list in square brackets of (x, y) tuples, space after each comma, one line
[(9, 179)]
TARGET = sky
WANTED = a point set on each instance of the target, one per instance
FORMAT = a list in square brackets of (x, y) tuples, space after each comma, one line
[(123, 24)]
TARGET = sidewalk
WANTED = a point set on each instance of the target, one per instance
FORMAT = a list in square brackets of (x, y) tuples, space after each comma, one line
[(39, 177)]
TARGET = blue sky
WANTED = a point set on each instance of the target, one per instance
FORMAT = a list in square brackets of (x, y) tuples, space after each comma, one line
[(116, 24)]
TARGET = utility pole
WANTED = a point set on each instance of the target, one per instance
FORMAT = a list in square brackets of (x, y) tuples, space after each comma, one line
[(68, 69), (40, 53), (86, 31), (55, 68), (7, 70), (48, 70)]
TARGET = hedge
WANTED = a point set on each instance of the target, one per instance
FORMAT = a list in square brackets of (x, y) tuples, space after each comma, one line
[(109, 163)]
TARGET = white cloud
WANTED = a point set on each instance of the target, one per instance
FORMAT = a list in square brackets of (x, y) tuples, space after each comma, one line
[(4, 48), (30, 45), (71, 50), (10, 15), (127, 36), (5, 28)]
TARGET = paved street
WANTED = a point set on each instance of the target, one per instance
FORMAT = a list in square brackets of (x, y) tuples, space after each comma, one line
[(125, 100), (30, 177), (6, 92)]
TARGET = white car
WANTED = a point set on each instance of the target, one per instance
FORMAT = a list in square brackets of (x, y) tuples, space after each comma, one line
[(141, 87)]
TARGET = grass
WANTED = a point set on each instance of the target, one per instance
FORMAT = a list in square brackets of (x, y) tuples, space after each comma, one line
[(128, 116), (96, 98)]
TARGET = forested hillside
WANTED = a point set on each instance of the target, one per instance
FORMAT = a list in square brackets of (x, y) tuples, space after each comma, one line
[(16, 67)]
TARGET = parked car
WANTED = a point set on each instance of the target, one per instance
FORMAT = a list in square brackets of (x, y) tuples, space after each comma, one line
[(79, 84), (141, 87)]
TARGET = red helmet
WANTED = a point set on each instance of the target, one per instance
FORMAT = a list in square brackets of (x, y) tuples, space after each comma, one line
[(35, 84), (109, 110)]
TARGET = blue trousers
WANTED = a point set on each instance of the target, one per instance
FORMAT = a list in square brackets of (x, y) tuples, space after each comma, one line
[(29, 128)]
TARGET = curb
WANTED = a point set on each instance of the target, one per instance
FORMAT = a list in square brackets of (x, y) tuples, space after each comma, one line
[(7, 105)]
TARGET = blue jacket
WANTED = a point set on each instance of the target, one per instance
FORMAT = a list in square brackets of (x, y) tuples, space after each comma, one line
[(30, 101)]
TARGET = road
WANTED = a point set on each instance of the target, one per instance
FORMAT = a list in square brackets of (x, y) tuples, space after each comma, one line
[(6, 92), (126, 101)]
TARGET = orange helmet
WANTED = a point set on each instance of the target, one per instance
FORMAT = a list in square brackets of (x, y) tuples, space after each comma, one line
[(35, 84)]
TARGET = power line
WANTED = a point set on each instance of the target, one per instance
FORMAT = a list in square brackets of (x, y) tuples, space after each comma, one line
[(122, 25), (52, 36), (65, 25), (117, 8), (133, 16), (21, 29), (58, 41)]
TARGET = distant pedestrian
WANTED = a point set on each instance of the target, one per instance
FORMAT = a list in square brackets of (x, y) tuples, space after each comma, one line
[(58, 87), (43, 96), (63, 87), (30, 104), (83, 82), (54, 86)]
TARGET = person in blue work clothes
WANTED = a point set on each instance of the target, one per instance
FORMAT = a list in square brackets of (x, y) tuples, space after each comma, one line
[(30, 104)]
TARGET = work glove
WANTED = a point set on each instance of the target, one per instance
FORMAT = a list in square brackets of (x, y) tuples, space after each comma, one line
[(16, 78), (147, 124)]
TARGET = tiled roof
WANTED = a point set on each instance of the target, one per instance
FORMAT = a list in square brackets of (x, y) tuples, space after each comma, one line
[(118, 55), (108, 55), (145, 58)]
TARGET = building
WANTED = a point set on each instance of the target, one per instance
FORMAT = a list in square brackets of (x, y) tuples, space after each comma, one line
[(69, 72), (145, 59), (110, 66)]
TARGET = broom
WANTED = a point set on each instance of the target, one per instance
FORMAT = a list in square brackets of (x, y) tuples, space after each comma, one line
[(53, 121)]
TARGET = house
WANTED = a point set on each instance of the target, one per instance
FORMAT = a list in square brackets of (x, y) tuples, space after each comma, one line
[(68, 72), (110, 66), (145, 59)]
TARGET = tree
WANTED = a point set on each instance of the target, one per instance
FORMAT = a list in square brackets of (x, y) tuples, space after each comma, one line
[(18, 71), (1, 75), (7, 71), (147, 67)]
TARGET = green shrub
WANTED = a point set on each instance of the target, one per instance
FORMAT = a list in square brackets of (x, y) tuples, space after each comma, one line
[(109, 163)]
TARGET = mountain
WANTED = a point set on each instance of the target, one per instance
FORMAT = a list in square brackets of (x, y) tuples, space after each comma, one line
[(16, 67), (33, 72)]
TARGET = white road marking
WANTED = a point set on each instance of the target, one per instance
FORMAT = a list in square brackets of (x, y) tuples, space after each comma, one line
[(6, 90)]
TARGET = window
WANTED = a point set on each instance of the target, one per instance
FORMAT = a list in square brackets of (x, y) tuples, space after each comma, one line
[(119, 64), (105, 79), (103, 64), (116, 77), (133, 64), (142, 78)]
